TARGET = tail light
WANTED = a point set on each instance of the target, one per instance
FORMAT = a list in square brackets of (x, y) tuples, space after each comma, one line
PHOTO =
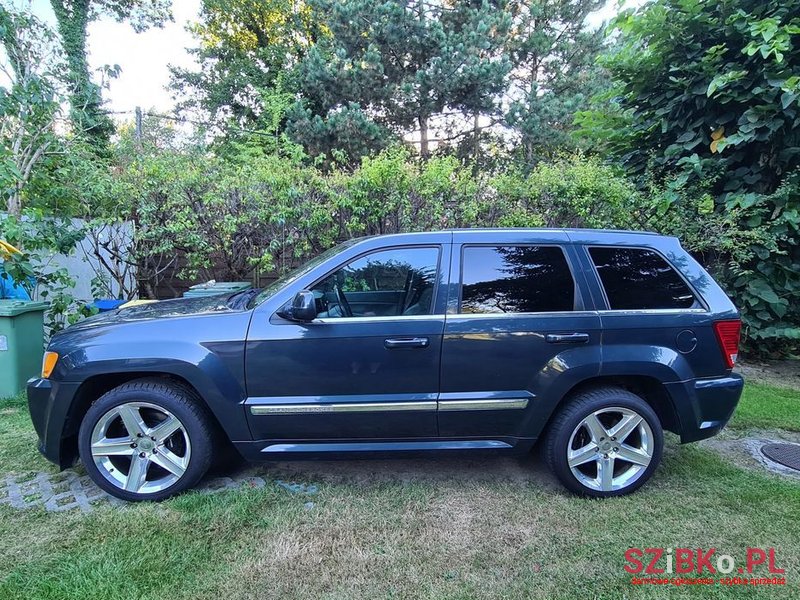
[(728, 337)]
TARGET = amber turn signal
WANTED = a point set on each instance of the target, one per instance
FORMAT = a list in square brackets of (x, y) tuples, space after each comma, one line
[(49, 363)]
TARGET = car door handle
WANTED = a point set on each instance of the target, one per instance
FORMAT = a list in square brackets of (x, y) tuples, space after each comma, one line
[(567, 338), (416, 342)]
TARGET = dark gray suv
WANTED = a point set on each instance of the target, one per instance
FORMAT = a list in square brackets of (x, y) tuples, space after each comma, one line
[(593, 342)]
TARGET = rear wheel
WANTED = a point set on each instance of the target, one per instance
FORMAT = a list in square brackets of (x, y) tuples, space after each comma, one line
[(145, 440), (604, 442)]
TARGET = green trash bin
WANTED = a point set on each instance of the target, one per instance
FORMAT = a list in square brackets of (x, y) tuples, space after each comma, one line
[(216, 288), (21, 344)]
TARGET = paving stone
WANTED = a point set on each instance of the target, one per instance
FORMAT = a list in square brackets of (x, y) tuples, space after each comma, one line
[(68, 490)]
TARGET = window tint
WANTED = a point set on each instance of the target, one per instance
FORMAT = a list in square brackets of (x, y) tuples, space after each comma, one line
[(639, 279), (514, 279), (385, 283)]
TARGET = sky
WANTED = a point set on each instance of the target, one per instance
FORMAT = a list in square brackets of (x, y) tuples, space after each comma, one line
[(144, 57)]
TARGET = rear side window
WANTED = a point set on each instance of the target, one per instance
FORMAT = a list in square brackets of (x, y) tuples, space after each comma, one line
[(515, 279), (635, 278)]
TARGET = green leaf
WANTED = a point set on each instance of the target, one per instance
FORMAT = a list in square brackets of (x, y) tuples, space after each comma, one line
[(787, 98)]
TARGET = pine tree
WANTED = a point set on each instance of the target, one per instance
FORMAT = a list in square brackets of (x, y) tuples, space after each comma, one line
[(389, 68)]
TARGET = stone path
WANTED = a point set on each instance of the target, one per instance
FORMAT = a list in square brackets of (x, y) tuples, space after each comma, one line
[(69, 490)]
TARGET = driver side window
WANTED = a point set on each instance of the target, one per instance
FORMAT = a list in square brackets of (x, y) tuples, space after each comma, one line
[(400, 281)]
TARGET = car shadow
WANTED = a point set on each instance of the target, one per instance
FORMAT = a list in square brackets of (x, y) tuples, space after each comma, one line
[(523, 470)]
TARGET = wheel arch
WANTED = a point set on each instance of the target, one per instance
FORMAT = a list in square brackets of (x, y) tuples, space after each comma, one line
[(651, 389), (96, 385)]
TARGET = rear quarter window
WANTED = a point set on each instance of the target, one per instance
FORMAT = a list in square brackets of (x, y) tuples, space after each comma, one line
[(515, 279), (640, 279)]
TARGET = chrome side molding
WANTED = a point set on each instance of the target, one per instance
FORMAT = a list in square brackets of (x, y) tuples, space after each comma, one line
[(426, 405), (285, 409), (484, 404)]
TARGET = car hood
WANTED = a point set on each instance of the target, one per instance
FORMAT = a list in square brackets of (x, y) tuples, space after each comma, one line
[(163, 309)]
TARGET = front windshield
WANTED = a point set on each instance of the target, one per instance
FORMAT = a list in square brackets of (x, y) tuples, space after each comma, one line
[(293, 275)]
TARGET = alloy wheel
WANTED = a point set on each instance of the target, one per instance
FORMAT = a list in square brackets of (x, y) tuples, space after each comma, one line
[(610, 449), (140, 447)]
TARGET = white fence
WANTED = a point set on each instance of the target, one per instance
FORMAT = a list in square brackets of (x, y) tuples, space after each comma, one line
[(84, 265)]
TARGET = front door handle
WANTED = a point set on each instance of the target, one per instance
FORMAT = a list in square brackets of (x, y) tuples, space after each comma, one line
[(567, 338), (416, 342)]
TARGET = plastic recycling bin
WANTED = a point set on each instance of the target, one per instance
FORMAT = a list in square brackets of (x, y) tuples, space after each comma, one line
[(216, 288), (21, 343), (107, 304)]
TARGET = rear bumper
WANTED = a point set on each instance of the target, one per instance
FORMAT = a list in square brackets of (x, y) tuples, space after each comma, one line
[(704, 406), (48, 403)]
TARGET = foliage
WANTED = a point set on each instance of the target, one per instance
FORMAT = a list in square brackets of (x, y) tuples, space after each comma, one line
[(704, 110), (40, 237), (29, 103), (707, 87), (313, 108), (365, 75), (244, 48), (72, 20), (400, 65), (573, 192), (554, 72), (216, 218)]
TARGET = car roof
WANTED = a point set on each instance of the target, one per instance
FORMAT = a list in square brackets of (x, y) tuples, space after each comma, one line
[(530, 235)]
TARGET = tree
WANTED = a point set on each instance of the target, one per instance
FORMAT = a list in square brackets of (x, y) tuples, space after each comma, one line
[(72, 19), (704, 104), (555, 72), (31, 104), (245, 49), (387, 68), (707, 86)]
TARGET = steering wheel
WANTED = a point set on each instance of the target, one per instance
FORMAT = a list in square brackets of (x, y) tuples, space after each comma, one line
[(343, 303)]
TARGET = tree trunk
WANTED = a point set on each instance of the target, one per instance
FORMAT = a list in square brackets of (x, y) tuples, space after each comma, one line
[(14, 204), (423, 136), (476, 140)]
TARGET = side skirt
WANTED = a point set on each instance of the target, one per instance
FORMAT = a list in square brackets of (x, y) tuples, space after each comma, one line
[(350, 449)]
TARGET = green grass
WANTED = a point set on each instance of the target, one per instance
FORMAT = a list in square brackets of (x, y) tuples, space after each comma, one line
[(440, 528), (766, 406)]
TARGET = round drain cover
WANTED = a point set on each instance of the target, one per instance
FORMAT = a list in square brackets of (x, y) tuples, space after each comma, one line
[(786, 454)]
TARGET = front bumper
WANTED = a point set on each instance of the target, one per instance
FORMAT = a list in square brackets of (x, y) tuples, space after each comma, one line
[(704, 406), (49, 403)]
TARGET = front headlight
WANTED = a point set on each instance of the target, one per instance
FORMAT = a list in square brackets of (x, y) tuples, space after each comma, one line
[(48, 363)]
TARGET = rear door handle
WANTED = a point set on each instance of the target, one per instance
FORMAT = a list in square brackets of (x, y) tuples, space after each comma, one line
[(567, 338), (416, 342)]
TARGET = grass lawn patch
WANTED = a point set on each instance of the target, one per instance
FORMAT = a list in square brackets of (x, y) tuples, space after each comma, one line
[(401, 529), (767, 407)]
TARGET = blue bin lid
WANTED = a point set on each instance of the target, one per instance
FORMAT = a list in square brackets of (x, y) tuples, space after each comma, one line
[(108, 304)]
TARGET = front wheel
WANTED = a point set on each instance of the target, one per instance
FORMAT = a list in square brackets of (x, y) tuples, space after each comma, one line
[(145, 440), (605, 442)]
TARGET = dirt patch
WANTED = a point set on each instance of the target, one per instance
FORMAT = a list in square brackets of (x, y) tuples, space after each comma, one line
[(458, 470), (780, 373), (745, 450)]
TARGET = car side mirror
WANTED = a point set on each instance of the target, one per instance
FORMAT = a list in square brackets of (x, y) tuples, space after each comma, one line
[(303, 307)]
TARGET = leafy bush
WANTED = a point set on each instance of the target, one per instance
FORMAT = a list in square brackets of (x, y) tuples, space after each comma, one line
[(214, 218), (569, 192), (39, 238), (704, 115)]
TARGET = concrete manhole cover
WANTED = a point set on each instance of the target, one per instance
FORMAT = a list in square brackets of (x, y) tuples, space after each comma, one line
[(787, 455)]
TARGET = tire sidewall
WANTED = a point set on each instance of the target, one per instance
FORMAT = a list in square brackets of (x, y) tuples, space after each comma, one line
[(200, 453), (561, 439)]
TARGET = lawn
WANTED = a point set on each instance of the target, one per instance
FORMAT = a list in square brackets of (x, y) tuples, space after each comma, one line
[(436, 528)]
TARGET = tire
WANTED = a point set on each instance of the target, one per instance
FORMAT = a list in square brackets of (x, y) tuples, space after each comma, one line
[(147, 439), (591, 460)]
